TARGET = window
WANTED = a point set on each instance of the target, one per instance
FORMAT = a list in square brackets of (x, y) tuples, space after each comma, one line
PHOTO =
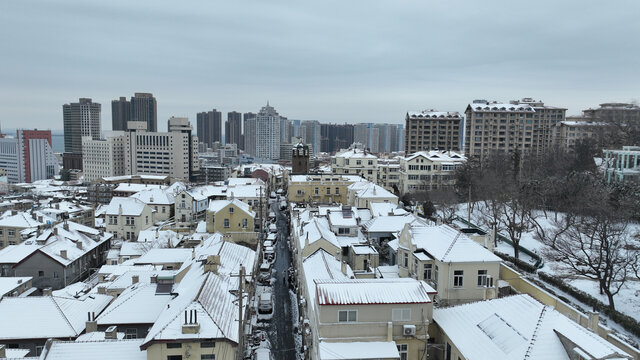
[(401, 314), (316, 191), (164, 209), (146, 218), (40, 273), (403, 349), (226, 223), (337, 193), (406, 260), (435, 274), (11, 232), (347, 316), (55, 275), (131, 333), (458, 275), (174, 345), (207, 357), (207, 344), (174, 357), (342, 231), (0, 232), (231, 210), (129, 220), (358, 162), (328, 191), (482, 277), (370, 162), (427, 271), (245, 223)]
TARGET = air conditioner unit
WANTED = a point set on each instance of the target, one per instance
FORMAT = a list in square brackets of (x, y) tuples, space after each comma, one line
[(408, 330)]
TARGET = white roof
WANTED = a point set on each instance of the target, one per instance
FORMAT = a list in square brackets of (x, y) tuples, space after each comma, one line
[(42, 317), (20, 220), (8, 284), (129, 206), (204, 192), (343, 218), (96, 350), (97, 336), (364, 249), (373, 291), (495, 106), (434, 114), (371, 191), (13, 254), (134, 188), (68, 240), (322, 265), (156, 196), (138, 304), (447, 244), (450, 157), (161, 237), (391, 224), (17, 353), (517, 327), (355, 154), (384, 208), (245, 191), (164, 256), (358, 350), (217, 205), (316, 229)]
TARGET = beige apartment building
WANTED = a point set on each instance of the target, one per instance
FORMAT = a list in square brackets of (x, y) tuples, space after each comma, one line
[(389, 173), (324, 189), (103, 157), (232, 218), (432, 130), (354, 161), (525, 126), (428, 170), (126, 217), (567, 134)]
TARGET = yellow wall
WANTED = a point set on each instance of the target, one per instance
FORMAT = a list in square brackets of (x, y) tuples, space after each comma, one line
[(305, 190), (215, 221), (222, 351)]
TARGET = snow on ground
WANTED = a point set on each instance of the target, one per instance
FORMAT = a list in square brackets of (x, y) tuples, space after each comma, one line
[(627, 301), (297, 336)]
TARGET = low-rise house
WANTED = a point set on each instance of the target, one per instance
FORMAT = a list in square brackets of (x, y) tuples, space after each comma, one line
[(316, 235), (343, 222), (78, 213), (377, 311), (13, 254), (354, 161), (160, 200), (362, 194), (429, 170), (514, 327), (126, 217), (128, 189), (191, 205), (457, 266), (234, 219), (29, 321), (12, 226), (322, 189), (66, 254), (104, 349), (14, 286)]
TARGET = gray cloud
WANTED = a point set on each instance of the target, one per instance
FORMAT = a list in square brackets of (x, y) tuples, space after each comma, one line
[(327, 60)]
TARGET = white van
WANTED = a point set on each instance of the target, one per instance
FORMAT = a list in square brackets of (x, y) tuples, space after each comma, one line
[(265, 305)]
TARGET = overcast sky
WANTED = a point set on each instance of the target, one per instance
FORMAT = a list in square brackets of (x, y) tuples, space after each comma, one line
[(333, 61)]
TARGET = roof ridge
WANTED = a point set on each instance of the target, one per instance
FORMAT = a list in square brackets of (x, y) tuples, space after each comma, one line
[(63, 314), (451, 246), (535, 332), (326, 265)]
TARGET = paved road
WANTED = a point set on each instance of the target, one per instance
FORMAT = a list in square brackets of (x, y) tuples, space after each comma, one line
[(281, 328)]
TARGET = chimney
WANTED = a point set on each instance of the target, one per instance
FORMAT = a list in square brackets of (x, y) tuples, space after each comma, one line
[(190, 325), (65, 226), (102, 290), (34, 216), (594, 319), (154, 279), (389, 331), (343, 267), (306, 240), (3, 352), (120, 209), (111, 333), (55, 231), (135, 279), (47, 291), (40, 218), (79, 244), (213, 261), (63, 254), (490, 240), (92, 324)]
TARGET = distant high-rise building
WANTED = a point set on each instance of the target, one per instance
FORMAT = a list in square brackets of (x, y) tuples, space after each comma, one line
[(209, 127), (233, 128), (80, 119), (286, 129), (144, 108), (309, 131), (249, 133), (334, 137), (120, 114), (29, 157), (525, 126), (267, 133), (433, 130)]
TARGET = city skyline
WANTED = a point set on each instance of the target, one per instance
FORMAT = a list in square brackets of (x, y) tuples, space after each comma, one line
[(331, 71)]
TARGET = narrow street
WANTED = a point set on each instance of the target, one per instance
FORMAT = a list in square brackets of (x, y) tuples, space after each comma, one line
[(281, 328)]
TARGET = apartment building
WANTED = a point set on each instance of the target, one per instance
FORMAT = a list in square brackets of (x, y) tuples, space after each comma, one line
[(428, 170), (623, 120), (104, 157), (525, 126), (126, 217), (355, 161), (433, 130), (12, 228), (389, 173), (320, 188), (567, 134), (209, 127), (80, 119)]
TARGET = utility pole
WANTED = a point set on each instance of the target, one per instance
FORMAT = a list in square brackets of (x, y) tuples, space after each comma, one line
[(240, 351)]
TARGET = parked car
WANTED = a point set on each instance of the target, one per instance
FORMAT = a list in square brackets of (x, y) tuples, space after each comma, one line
[(283, 205), (269, 254), (264, 276), (262, 354), (265, 303), (273, 228)]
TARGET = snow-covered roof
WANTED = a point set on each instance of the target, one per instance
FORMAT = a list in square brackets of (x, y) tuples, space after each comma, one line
[(95, 350), (125, 206), (321, 265), (17, 353), (343, 218), (316, 229), (155, 196), (370, 190), (200, 193), (517, 327), (8, 284), (217, 205), (138, 304), (13, 254), (134, 188), (355, 154), (434, 114), (373, 291), (364, 249), (495, 106), (161, 237), (443, 156), (447, 244), (390, 224), (21, 220), (245, 191), (42, 317), (76, 240), (384, 208), (164, 256), (97, 336), (137, 176), (358, 350)]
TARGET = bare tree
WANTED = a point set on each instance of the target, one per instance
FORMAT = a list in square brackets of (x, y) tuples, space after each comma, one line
[(446, 203)]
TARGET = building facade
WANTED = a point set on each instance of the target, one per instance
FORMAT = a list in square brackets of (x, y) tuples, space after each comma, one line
[(104, 157), (145, 108), (80, 119), (209, 127), (354, 161), (120, 114), (433, 130), (233, 128), (425, 171), (267, 133)]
